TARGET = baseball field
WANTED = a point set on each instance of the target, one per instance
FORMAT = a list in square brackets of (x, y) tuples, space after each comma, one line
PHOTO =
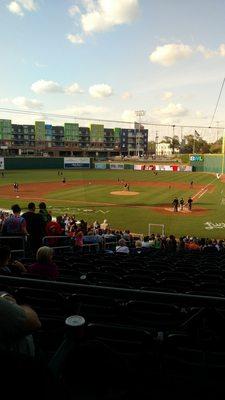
[(97, 195)]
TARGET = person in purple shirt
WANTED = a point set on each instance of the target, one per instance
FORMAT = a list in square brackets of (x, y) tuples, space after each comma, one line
[(44, 266)]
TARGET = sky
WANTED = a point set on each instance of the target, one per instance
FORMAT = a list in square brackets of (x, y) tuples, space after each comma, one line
[(107, 59)]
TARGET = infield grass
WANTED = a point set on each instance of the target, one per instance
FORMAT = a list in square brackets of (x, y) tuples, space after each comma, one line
[(131, 212)]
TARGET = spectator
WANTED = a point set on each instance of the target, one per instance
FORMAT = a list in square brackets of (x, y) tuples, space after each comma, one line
[(145, 242), (46, 216), (44, 266), (79, 241), (122, 248), (17, 322), (34, 225), (104, 225), (7, 265), (53, 228), (14, 225), (138, 248)]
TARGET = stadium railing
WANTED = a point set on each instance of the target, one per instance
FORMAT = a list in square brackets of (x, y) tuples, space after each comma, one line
[(61, 243), (17, 244)]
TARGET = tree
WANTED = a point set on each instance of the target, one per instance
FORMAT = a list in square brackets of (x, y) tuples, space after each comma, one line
[(216, 147), (195, 144), (151, 147), (173, 141)]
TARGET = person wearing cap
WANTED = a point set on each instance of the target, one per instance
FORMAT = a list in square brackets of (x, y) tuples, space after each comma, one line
[(181, 204), (175, 204), (122, 248), (190, 203)]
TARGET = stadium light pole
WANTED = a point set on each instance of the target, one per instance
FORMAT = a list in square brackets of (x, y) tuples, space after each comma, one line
[(223, 149), (139, 113)]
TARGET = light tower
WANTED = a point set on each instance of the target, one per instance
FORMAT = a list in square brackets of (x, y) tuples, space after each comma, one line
[(156, 143), (139, 114)]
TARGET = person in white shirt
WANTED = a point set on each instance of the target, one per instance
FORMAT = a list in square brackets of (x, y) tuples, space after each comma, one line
[(122, 248), (104, 225)]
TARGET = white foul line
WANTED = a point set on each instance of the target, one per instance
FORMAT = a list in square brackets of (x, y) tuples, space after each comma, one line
[(203, 190)]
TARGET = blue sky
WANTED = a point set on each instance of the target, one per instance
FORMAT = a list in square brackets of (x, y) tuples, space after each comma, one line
[(107, 58)]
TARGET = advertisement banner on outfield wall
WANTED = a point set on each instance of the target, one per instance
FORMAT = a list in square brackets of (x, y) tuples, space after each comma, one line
[(100, 165), (76, 162), (171, 168), (144, 167), (116, 166), (2, 163)]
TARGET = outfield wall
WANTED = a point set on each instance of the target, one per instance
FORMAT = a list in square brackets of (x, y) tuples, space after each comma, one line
[(208, 163), (72, 163), (33, 163), (213, 163)]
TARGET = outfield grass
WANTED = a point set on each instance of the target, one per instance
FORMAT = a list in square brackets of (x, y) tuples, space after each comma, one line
[(132, 212)]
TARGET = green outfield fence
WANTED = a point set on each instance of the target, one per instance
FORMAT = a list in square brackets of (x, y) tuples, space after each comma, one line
[(209, 163), (205, 163)]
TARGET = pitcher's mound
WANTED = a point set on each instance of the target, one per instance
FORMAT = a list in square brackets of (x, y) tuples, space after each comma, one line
[(124, 193)]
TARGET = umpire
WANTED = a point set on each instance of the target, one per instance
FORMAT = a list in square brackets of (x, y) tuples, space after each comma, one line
[(175, 204)]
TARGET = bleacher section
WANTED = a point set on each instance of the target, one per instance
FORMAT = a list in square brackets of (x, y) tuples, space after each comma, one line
[(155, 323)]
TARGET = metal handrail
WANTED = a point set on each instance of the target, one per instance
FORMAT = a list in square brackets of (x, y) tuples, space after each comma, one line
[(20, 250)]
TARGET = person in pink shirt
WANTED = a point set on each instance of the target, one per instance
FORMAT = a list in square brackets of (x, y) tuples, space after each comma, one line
[(44, 266)]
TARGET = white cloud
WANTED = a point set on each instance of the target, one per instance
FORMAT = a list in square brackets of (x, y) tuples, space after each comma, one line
[(19, 6), (74, 88), (126, 95), (4, 100), (75, 39), (100, 90), (167, 96), (128, 115), (29, 5), (222, 50), (171, 110), (201, 115), (82, 111), (27, 103), (15, 8), (168, 54), (207, 53), (73, 10), (102, 15), (43, 86)]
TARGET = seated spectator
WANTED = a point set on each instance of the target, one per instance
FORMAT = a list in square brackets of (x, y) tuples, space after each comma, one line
[(17, 322), (8, 266), (79, 241), (138, 248), (122, 248), (127, 236), (192, 244), (96, 225), (44, 266), (53, 228), (158, 241), (62, 224), (145, 242)]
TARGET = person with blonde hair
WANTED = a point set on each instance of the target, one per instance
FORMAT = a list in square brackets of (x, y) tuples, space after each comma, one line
[(44, 266)]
